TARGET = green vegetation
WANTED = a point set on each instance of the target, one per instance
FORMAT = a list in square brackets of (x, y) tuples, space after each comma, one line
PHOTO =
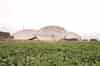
[(39, 53)]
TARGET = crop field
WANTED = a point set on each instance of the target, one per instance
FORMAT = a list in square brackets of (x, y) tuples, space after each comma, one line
[(40, 53)]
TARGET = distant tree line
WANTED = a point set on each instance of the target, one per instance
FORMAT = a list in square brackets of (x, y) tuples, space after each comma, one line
[(5, 35)]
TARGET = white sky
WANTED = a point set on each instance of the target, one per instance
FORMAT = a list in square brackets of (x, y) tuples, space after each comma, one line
[(80, 16)]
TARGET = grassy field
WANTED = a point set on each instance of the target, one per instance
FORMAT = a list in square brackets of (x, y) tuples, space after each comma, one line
[(39, 53)]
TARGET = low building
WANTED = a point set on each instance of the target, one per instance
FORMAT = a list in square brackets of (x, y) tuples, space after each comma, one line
[(26, 34), (72, 36), (51, 33)]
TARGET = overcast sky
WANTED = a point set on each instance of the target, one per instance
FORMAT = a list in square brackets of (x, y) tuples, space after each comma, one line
[(80, 16)]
